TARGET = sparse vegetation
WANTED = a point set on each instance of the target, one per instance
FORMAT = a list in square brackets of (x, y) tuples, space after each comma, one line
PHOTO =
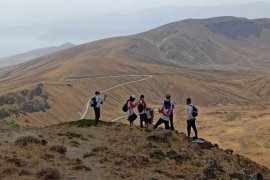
[(59, 149), (87, 123), (48, 174), (99, 149), (165, 155), (25, 140)]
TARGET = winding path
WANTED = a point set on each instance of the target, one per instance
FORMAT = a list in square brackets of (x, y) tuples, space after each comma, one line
[(146, 77)]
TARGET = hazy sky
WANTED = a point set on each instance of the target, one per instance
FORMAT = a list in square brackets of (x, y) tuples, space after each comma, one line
[(15, 12)]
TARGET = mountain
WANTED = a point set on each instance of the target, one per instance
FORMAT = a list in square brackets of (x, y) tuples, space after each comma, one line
[(23, 57), (221, 63), (112, 25), (78, 150), (86, 29), (229, 41)]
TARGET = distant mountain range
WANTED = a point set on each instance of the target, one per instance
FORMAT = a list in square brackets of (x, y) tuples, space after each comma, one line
[(93, 28), (23, 57), (86, 29)]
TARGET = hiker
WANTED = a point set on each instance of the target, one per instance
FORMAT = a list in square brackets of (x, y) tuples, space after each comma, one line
[(96, 102), (142, 111), (191, 120), (130, 109), (168, 99), (165, 117)]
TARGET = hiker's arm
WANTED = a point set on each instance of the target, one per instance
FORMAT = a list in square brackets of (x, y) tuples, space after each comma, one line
[(133, 105), (167, 114), (144, 104)]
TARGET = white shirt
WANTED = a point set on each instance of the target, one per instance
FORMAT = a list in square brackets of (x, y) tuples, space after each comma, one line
[(189, 112), (130, 109), (164, 117), (98, 100)]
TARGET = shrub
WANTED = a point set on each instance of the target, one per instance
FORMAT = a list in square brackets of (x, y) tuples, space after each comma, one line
[(59, 149), (48, 174), (25, 140)]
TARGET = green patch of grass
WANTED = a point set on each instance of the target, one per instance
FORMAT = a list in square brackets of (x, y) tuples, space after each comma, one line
[(87, 123), (14, 126)]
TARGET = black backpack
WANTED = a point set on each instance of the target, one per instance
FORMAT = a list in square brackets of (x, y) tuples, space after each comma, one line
[(140, 107), (93, 102), (125, 107), (194, 111)]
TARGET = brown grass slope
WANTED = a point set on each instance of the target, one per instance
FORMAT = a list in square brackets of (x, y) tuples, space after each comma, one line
[(78, 150)]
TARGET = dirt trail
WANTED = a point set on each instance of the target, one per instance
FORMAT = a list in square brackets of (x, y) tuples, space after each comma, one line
[(146, 77)]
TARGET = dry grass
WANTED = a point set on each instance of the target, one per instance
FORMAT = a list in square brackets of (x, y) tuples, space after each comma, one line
[(129, 156)]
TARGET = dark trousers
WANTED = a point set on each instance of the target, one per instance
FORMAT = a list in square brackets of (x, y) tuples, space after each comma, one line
[(160, 121), (97, 115), (192, 123), (143, 117), (171, 121)]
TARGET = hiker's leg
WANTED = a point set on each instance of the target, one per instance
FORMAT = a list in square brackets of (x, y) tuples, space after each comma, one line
[(145, 119), (166, 124), (141, 120), (171, 121), (188, 127), (194, 128), (159, 122), (97, 115)]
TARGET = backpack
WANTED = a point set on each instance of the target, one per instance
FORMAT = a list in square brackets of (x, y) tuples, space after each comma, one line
[(93, 102), (140, 107), (125, 107), (194, 111)]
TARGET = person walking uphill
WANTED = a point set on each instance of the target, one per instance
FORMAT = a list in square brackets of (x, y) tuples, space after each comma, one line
[(171, 102), (142, 111), (96, 102), (192, 112)]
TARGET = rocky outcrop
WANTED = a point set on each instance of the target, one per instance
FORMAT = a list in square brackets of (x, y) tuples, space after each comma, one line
[(26, 101)]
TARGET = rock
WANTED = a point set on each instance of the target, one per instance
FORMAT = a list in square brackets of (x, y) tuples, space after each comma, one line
[(204, 144), (245, 174), (157, 154), (170, 154), (214, 170), (4, 113), (237, 175), (160, 137), (228, 152), (25, 92), (259, 176), (248, 175)]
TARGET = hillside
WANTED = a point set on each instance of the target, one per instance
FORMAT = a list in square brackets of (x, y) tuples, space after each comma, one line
[(23, 57), (112, 151), (224, 71)]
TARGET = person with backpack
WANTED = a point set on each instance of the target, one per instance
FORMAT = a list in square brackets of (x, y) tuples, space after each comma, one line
[(142, 111), (129, 107), (95, 103), (192, 112), (165, 117), (171, 102)]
